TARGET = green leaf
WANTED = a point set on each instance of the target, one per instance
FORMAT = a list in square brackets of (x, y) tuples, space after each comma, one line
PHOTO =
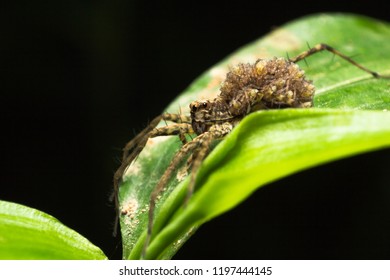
[(267, 145), (26, 233)]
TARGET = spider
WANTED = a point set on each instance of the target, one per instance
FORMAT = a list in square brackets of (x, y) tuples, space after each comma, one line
[(266, 84)]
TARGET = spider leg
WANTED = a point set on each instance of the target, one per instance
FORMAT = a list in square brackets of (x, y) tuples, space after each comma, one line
[(201, 144), (132, 149), (176, 118), (178, 158), (325, 47), (197, 159), (216, 132), (180, 129)]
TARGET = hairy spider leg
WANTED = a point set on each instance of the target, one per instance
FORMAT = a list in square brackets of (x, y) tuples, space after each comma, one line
[(132, 149), (176, 118), (201, 145), (216, 132), (177, 159), (325, 47)]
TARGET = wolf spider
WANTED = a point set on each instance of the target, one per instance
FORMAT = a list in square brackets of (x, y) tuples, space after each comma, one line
[(266, 84)]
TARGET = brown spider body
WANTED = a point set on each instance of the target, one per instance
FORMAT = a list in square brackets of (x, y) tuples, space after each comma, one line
[(266, 84)]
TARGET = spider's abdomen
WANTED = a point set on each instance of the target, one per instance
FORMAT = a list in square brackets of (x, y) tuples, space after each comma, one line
[(266, 84)]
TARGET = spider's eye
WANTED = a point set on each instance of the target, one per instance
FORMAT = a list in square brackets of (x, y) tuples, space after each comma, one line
[(204, 104)]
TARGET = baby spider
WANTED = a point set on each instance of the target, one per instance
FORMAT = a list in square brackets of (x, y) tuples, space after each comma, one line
[(266, 84)]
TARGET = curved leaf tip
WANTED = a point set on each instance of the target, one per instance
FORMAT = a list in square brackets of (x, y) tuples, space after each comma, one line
[(26, 233)]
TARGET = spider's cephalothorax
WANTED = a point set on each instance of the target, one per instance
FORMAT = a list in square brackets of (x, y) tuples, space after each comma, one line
[(266, 84)]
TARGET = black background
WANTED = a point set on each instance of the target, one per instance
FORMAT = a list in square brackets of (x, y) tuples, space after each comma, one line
[(79, 78)]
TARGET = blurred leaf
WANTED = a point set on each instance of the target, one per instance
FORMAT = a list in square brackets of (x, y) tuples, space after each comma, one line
[(26, 233), (267, 145)]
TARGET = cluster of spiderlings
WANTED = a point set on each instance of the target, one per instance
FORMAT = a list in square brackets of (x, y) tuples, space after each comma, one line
[(266, 84)]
